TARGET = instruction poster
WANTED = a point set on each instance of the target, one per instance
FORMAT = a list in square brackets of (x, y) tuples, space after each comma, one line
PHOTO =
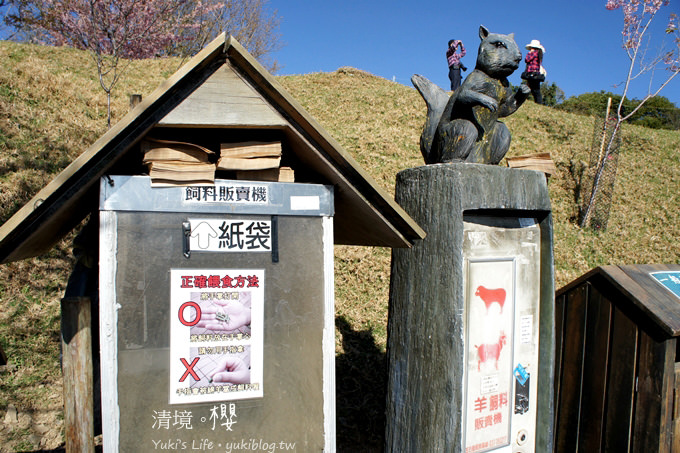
[(216, 335), (489, 351)]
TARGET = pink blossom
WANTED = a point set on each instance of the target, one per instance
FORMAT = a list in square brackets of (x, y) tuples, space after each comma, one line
[(672, 26), (124, 28), (613, 4), (114, 29), (634, 17)]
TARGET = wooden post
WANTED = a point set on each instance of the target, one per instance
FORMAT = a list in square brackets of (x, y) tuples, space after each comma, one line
[(135, 99), (676, 410), (3, 356), (76, 343), (427, 311)]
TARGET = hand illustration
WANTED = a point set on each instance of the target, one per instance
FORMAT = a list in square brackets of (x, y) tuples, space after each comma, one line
[(231, 369), (228, 316)]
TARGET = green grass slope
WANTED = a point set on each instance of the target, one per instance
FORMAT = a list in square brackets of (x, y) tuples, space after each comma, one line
[(51, 109)]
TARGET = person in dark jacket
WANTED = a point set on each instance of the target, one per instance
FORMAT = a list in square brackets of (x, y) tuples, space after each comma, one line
[(455, 65)]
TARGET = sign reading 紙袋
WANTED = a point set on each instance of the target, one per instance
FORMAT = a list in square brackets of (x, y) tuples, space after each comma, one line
[(230, 235)]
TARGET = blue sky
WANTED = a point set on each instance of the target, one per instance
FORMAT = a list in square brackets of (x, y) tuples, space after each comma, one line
[(396, 39)]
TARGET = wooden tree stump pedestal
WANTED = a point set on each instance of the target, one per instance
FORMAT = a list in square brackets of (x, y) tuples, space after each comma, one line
[(426, 348)]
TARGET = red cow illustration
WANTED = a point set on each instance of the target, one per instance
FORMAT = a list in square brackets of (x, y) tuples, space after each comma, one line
[(490, 296), (487, 352)]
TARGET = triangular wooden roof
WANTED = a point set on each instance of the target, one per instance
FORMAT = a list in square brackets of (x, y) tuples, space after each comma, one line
[(638, 287), (223, 89)]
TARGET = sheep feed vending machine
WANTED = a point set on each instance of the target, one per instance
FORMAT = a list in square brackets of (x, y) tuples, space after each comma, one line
[(217, 316)]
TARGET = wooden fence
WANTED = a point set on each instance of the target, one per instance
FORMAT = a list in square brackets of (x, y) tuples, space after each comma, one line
[(615, 385)]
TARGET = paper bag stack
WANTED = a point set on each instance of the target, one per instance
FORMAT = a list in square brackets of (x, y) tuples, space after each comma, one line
[(258, 161), (178, 163)]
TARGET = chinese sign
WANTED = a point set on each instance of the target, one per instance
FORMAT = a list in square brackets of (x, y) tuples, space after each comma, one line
[(214, 422), (184, 419), (489, 351), (228, 192), (502, 296), (670, 280), (216, 334), (217, 235)]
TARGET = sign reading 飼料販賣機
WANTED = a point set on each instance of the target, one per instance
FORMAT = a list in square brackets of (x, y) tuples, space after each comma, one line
[(216, 327), (231, 192)]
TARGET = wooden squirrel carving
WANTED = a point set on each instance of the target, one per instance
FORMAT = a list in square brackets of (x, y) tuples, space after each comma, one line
[(464, 127)]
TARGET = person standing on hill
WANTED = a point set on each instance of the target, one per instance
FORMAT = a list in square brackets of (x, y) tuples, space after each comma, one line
[(534, 72), (455, 65)]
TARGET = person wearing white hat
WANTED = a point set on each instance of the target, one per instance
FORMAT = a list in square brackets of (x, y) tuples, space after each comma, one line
[(533, 74)]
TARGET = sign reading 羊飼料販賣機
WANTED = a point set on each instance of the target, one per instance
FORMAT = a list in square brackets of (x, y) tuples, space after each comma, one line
[(216, 326), (501, 257), (489, 353)]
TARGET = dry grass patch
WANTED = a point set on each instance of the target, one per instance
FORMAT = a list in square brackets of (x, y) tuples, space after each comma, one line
[(52, 109)]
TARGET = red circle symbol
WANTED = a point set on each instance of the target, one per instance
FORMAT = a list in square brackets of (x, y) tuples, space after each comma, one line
[(181, 313)]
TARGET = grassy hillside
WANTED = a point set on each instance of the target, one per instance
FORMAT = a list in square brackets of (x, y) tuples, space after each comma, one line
[(51, 109)]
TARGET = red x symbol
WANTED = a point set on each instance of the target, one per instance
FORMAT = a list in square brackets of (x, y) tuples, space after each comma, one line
[(190, 370)]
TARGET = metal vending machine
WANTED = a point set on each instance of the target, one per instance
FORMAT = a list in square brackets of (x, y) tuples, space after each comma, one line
[(501, 260), (216, 316)]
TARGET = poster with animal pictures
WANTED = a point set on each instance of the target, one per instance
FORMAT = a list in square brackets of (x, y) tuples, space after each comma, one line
[(490, 298), (216, 335)]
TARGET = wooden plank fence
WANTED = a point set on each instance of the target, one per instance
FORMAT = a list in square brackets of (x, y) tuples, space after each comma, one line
[(615, 383)]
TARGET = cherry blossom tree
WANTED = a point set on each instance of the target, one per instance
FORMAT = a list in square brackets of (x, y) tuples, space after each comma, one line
[(117, 31), (638, 16), (112, 31)]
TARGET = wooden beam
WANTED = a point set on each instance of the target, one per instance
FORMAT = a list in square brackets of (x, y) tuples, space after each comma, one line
[(76, 343), (676, 410)]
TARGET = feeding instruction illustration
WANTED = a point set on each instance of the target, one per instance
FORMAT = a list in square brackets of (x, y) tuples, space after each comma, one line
[(216, 334)]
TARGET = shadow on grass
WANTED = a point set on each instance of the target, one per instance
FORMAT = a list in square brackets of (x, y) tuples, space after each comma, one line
[(361, 382)]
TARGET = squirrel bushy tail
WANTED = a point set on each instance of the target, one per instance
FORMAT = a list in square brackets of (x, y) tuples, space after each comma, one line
[(435, 100)]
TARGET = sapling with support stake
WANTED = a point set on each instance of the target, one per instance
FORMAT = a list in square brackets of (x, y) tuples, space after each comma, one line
[(637, 19)]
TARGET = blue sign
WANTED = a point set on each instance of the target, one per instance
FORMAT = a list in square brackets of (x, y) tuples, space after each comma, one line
[(521, 374), (670, 280)]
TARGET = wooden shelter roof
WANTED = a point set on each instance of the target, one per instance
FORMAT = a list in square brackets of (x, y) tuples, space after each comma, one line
[(637, 284), (222, 91)]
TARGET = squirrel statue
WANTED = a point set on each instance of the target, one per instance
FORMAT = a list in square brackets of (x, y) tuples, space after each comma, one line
[(464, 127)]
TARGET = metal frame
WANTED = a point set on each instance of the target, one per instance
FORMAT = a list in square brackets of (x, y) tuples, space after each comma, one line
[(120, 193)]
